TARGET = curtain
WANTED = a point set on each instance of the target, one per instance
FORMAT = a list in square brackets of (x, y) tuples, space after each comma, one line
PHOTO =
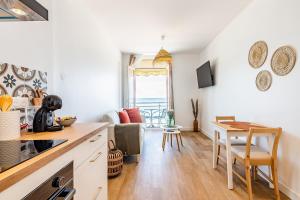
[(128, 61), (170, 87)]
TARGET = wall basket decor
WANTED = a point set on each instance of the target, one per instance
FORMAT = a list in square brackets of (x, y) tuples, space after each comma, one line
[(258, 54), (283, 60), (263, 80)]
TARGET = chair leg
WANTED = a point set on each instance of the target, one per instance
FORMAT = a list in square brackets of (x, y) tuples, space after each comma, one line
[(248, 180), (275, 179), (180, 139), (254, 171), (168, 136), (177, 142), (219, 150), (164, 141), (171, 140)]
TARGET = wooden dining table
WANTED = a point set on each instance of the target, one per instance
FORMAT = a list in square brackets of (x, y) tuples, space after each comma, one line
[(229, 131)]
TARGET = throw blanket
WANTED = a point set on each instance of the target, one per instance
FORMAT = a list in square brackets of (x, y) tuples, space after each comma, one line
[(127, 138)]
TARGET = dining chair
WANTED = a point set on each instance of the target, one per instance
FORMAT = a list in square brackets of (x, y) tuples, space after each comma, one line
[(254, 156), (221, 141)]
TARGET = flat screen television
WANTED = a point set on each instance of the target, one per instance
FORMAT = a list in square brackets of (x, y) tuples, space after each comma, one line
[(205, 76)]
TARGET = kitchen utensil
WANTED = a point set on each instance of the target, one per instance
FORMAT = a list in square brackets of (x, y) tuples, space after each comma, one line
[(6, 103), (40, 93)]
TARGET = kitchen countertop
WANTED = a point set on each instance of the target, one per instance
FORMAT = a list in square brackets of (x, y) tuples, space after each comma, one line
[(75, 135)]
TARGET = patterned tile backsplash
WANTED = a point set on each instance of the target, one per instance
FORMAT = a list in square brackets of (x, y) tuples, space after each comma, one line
[(19, 81)]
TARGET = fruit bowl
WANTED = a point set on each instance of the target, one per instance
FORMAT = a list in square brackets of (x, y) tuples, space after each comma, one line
[(66, 121)]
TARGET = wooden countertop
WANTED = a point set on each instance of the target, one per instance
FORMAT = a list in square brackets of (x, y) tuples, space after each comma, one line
[(75, 135)]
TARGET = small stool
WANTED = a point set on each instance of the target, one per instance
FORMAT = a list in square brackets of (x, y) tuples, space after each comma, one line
[(169, 133)]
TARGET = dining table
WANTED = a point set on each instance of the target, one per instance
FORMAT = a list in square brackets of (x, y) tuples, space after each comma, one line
[(228, 131)]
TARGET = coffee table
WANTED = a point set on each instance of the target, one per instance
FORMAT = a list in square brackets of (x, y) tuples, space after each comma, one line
[(168, 132)]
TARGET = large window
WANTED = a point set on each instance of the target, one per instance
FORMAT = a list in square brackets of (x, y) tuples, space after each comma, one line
[(151, 98)]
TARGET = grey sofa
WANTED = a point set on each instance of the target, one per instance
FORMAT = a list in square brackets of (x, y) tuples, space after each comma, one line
[(127, 137)]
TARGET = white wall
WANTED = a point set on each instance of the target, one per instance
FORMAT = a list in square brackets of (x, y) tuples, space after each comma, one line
[(235, 92), (87, 64), (28, 43), (185, 87)]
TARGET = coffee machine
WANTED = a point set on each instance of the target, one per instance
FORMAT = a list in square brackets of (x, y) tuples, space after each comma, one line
[(44, 118)]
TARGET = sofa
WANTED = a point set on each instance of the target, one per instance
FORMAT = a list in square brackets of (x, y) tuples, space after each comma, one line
[(127, 137)]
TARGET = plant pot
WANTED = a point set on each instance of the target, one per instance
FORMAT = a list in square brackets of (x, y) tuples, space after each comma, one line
[(195, 125), (9, 125)]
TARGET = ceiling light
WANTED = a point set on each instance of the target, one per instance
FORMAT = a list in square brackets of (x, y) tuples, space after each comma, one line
[(163, 56), (18, 11)]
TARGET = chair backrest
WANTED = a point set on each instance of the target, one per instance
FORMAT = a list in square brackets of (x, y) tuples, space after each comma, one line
[(163, 113), (225, 118), (262, 132)]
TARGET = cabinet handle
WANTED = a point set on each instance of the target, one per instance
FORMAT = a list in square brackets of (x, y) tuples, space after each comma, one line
[(95, 139), (97, 156)]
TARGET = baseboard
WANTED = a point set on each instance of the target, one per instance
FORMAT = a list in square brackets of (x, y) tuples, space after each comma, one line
[(207, 134), (282, 187)]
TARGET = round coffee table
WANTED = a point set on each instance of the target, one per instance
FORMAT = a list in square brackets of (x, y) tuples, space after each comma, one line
[(168, 132)]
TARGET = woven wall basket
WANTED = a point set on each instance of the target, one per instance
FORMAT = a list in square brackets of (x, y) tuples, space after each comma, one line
[(115, 160), (283, 60), (264, 80), (258, 54)]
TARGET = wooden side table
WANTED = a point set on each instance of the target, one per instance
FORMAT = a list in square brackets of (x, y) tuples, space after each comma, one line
[(168, 132)]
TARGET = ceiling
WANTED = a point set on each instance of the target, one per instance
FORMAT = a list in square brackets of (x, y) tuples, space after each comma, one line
[(136, 26)]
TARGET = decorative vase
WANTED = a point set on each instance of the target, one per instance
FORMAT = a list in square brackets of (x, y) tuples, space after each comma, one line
[(170, 119), (9, 125), (171, 122), (195, 125)]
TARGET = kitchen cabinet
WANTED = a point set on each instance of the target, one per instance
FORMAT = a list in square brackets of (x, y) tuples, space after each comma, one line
[(86, 147), (90, 178)]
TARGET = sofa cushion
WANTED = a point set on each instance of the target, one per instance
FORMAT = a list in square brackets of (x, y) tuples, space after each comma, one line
[(111, 117), (124, 118), (134, 115)]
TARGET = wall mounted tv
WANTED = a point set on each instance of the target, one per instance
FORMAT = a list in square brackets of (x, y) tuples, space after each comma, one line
[(205, 76)]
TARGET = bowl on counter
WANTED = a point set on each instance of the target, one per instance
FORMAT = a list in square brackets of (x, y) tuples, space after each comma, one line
[(66, 121)]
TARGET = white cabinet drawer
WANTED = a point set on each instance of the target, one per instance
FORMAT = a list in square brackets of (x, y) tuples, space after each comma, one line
[(90, 178), (82, 152)]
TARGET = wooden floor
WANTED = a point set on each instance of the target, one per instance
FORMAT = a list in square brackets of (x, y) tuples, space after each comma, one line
[(185, 175)]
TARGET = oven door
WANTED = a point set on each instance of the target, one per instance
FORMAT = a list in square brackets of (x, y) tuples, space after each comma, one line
[(65, 193), (58, 187)]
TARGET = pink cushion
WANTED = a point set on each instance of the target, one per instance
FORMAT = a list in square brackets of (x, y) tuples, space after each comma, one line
[(124, 118), (134, 115)]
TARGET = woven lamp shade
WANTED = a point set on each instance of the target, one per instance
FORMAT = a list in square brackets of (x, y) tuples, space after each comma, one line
[(162, 56)]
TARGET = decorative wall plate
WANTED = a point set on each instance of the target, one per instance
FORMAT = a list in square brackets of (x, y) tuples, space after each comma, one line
[(283, 60), (3, 68), (264, 80), (258, 54)]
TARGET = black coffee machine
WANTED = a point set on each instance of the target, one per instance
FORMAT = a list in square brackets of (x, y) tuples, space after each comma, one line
[(44, 117)]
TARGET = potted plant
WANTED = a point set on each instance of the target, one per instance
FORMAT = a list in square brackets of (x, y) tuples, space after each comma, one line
[(195, 107), (171, 120)]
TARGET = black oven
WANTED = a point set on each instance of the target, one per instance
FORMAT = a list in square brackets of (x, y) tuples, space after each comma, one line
[(58, 187)]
